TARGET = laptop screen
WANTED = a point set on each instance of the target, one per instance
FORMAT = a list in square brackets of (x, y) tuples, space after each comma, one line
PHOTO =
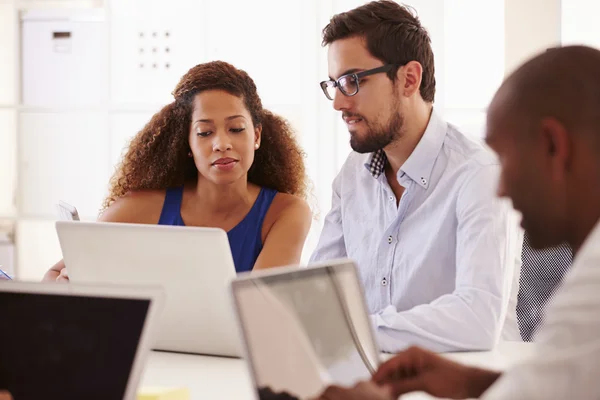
[(68, 347), (304, 330)]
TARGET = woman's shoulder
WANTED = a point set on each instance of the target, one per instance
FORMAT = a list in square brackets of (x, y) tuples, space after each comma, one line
[(289, 200), (286, 205), (139, 206), (290, 212)]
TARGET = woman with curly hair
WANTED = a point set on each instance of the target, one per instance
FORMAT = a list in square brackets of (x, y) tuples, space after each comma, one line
[(215, 157)]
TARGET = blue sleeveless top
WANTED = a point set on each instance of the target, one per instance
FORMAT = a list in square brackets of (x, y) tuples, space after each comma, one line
[(244, 239)]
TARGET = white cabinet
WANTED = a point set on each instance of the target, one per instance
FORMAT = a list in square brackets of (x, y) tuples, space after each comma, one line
[(37, 248), (153, 43), (8, 65), (8, 162), (63, 156), (64, 58)]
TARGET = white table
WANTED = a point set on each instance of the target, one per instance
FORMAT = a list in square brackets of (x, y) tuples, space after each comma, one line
[(205, 377), (502, 357), (225, 378)]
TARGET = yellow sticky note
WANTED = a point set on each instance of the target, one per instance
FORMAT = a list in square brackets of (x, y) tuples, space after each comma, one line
[(163, 393)]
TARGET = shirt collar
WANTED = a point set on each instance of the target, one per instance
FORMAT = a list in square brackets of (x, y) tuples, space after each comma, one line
[(420, 163), (377, 162)]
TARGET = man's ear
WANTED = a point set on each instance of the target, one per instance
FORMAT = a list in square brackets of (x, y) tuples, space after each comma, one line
[(410, 76), (557, 145)]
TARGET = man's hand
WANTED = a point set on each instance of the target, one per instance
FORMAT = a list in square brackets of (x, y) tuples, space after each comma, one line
[(420, 370), (362, 391), (266, 393)]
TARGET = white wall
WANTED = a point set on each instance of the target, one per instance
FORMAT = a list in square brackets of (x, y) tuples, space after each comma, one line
[(67, 150), (8, 137), (531, 26), (579, 22)]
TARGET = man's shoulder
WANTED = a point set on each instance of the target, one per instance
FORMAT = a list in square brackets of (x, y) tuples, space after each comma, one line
[(355, 163), (355, 159), (473, 166), (354, 173), (468, 148)]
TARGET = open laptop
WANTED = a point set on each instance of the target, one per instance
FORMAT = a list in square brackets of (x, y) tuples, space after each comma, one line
[(75, 341), (304, 329), (194, 265)]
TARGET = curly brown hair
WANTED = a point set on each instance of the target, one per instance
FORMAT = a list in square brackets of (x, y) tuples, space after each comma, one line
[(157, 157)]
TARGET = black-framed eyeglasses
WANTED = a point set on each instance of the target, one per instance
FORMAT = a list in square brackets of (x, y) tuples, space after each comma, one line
[(348, 84)]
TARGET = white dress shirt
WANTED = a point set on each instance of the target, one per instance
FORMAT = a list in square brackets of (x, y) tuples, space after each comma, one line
[(567, 365), (437, 268)]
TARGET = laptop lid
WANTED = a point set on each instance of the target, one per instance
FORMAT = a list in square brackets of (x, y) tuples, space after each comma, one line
[(74, 341), (194, 265), (305, 328)]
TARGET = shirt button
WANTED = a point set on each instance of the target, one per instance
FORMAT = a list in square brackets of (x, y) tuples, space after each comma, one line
[(391, 198), (390, 239), (384, 282)]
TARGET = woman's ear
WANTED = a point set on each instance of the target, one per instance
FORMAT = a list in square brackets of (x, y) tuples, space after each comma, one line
[(257, 135)]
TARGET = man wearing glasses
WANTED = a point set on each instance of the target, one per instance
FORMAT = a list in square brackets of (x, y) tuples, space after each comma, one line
[(414, 204)]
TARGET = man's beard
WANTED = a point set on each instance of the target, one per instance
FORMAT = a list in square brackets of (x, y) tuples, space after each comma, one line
[(378, 137)]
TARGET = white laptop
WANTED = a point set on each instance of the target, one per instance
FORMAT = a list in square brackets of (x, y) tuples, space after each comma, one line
[(194, 265), (75, 341), (304, 329)]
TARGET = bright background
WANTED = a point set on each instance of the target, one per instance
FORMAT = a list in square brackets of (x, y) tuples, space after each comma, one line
[(69, 106)]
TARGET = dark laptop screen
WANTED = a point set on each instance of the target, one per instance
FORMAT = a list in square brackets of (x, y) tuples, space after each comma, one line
[(68, 347)]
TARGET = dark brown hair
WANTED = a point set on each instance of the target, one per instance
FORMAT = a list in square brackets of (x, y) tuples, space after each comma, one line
[(157, 157), (393, 34)]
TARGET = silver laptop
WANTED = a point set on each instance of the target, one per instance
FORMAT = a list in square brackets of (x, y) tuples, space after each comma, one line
[(304, 329), (194, 265), (75, 341)]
